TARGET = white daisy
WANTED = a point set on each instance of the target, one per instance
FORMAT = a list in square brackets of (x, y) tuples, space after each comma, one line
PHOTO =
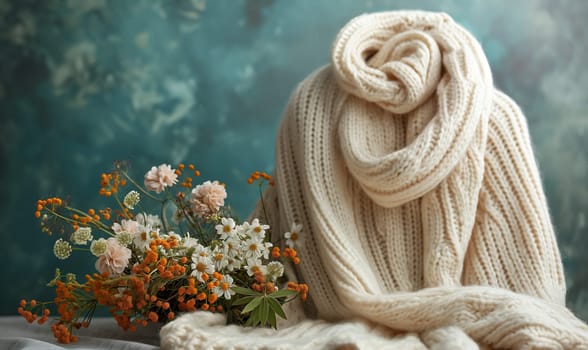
[(255, 265), (232, 246), (201, 250), (143, 239), (256, 229), (219, 258), (252, 247), (189, 242), (226, 228), (224, 288), (293, 237), (265, 250), (200, 265), (242, 229)]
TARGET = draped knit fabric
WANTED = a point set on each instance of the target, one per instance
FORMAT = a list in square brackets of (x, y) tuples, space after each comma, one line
[(425, 223)]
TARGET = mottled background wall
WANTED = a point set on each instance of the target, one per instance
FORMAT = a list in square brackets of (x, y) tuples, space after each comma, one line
[(84, 83)]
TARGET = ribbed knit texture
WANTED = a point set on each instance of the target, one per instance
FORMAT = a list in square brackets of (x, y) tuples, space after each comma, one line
[(425, 222)]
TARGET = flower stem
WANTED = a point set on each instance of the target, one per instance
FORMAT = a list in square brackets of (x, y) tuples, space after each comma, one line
[(140, 188), (81, 249), (268, 236), (163, 216), (72, 221)]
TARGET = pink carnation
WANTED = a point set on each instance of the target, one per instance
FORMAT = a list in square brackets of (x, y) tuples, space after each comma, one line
[(208, 198), (115, 259), (130, 226), (160, 177)]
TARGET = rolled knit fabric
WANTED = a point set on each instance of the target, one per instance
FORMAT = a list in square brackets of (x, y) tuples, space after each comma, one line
[(425, 222)]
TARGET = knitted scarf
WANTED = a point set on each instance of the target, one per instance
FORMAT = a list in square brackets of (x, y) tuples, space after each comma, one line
[(425, 222)]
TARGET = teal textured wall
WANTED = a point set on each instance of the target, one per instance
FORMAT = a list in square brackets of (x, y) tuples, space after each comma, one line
[(85, 83)]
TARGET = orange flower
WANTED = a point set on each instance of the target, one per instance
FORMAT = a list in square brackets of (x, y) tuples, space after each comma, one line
[(153, 316), (301, 289), (190, 305), (257, 175), (62, 333)]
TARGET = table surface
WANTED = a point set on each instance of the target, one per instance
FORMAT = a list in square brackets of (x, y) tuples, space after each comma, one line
[(103, 333)]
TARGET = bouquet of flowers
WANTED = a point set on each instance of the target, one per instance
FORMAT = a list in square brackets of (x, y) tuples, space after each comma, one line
[(192, 256)]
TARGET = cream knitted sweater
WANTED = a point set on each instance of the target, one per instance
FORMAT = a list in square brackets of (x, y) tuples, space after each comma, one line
[(425, 222)]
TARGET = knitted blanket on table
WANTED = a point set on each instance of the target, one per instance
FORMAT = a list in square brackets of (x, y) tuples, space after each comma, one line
[(424, 218)]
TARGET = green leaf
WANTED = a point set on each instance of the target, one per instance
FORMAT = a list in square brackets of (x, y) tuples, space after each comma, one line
[(245, 291), (263, 311), (253, 304), (283, 293), (243, 300), (276, 307), (253, 318), (272, 319)]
